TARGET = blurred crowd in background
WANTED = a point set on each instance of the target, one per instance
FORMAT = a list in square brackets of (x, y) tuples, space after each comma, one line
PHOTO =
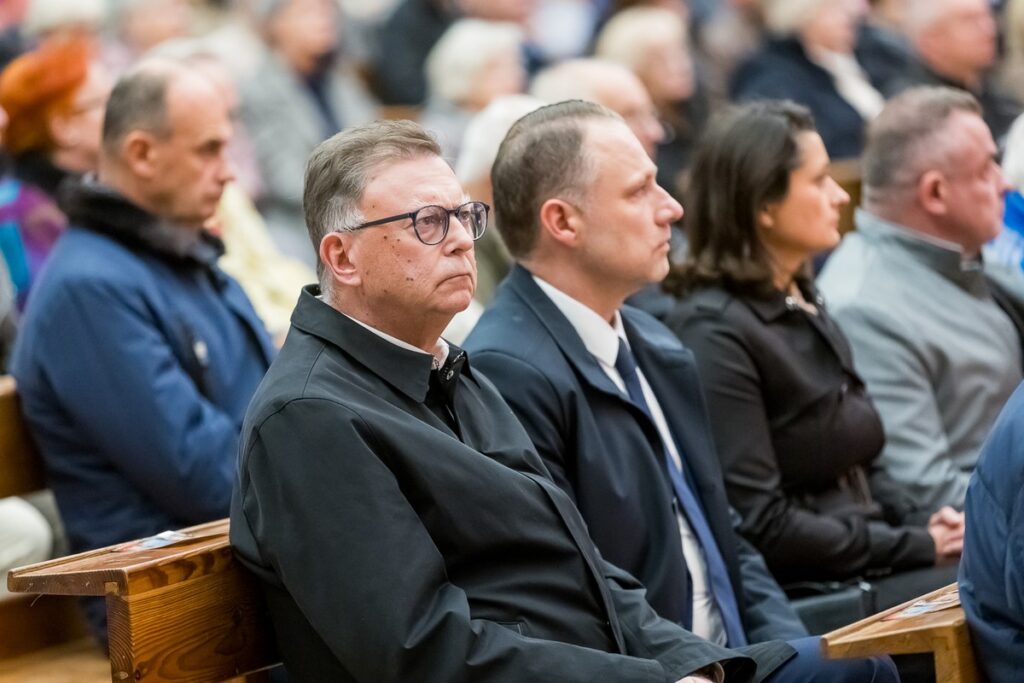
[(297, 71)]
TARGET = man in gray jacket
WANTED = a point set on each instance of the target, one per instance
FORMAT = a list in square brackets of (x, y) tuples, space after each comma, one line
[(936, 332)]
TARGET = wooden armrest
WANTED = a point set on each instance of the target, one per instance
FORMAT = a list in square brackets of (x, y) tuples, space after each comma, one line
[(943, 633), (187, 611), (128, 570)]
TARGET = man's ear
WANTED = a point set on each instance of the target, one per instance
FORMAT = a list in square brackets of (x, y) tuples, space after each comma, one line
[(932, 193), (561, 221), (335, 254), (140, 154)]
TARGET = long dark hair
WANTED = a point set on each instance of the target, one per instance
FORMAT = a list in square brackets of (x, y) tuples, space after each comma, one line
[(742, 163)]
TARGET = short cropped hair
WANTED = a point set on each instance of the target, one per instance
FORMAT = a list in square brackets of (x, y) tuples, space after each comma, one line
[(909, 138), (742, 163), (139, 102), (338, 169), (541, 157)]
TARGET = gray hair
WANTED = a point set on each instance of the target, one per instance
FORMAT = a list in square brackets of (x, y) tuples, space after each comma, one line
[(909, 138), (630, 34), (463, 51), (586, 78), (139, 101), (485, 132), (338, 169), (541, 157)]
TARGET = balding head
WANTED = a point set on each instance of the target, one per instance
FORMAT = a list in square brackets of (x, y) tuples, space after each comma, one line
[(955, 38), (164, 137), (606, 83)]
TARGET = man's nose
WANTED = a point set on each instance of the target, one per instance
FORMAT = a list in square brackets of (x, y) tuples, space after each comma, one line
[(460, 235)]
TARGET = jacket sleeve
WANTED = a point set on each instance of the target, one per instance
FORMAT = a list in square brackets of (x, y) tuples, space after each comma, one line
[(794, 540), (767, 612), (916, 446), (678, 650), (124, 390), (334, 525), (992, 567)]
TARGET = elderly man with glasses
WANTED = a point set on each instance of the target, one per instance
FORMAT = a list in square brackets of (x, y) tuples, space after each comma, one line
[(394, 510)]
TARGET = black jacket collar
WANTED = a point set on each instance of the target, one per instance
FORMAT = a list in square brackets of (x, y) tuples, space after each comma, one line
[(36, 169), (405, 370), (93, 206)]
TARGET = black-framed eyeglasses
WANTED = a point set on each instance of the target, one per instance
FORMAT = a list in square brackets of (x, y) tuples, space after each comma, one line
[(430, 223)]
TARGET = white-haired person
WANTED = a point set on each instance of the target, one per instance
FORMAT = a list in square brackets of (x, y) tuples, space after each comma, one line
[(474, 62), (479, 148), (304, 91), (808, 58), (956, 43), (653, 43), (473, 168)]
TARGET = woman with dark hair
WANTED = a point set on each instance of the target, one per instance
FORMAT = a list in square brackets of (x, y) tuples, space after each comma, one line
[(795, 430)]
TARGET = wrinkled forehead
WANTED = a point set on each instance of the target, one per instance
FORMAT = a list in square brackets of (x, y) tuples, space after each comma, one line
[(407, 184)]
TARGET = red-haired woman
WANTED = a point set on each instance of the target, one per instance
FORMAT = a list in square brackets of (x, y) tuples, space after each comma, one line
[(54, 97)]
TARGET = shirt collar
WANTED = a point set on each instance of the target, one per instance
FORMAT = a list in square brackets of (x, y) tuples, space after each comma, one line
[(600, 338), (946, 258), (439, 356), (401, 365)]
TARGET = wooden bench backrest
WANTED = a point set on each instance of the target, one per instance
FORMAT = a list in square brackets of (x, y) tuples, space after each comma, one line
[(186, 611), (21, 467), (848, 174)]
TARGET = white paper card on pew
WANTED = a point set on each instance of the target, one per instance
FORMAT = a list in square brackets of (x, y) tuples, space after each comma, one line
[(936, 604), (163, 539)]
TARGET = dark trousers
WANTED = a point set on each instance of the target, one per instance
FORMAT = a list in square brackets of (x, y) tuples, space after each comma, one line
[(808, 666)]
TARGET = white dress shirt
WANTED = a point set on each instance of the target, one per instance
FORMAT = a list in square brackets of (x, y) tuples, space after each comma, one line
[(602, 341)]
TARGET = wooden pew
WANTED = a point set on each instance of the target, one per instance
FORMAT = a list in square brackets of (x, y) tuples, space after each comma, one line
[(943, 634), (847, 173), (187, 611), (27, 625)]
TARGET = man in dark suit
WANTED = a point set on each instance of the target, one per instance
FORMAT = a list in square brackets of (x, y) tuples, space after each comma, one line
[(609, 397), (401, 523)]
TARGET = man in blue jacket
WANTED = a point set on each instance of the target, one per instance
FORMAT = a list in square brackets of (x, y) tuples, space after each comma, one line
[(992, 566), (137, 355), (609, 397)]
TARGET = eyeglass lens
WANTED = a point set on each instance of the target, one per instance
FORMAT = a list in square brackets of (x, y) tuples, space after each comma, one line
[(432, 221)]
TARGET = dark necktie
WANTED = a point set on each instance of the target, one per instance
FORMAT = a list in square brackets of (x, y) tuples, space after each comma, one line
[(718, 574)]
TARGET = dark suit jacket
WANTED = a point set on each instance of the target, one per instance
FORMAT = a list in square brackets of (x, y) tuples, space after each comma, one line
[(391, 550), (782, 70), (798, 436), (608, 454)]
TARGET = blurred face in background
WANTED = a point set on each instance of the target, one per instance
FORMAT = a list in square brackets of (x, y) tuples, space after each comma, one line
[(304, 32), (666, 70), (624, 94), (502, 75), (833, 26), (77, 132), (963, 38), (147, 23)]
